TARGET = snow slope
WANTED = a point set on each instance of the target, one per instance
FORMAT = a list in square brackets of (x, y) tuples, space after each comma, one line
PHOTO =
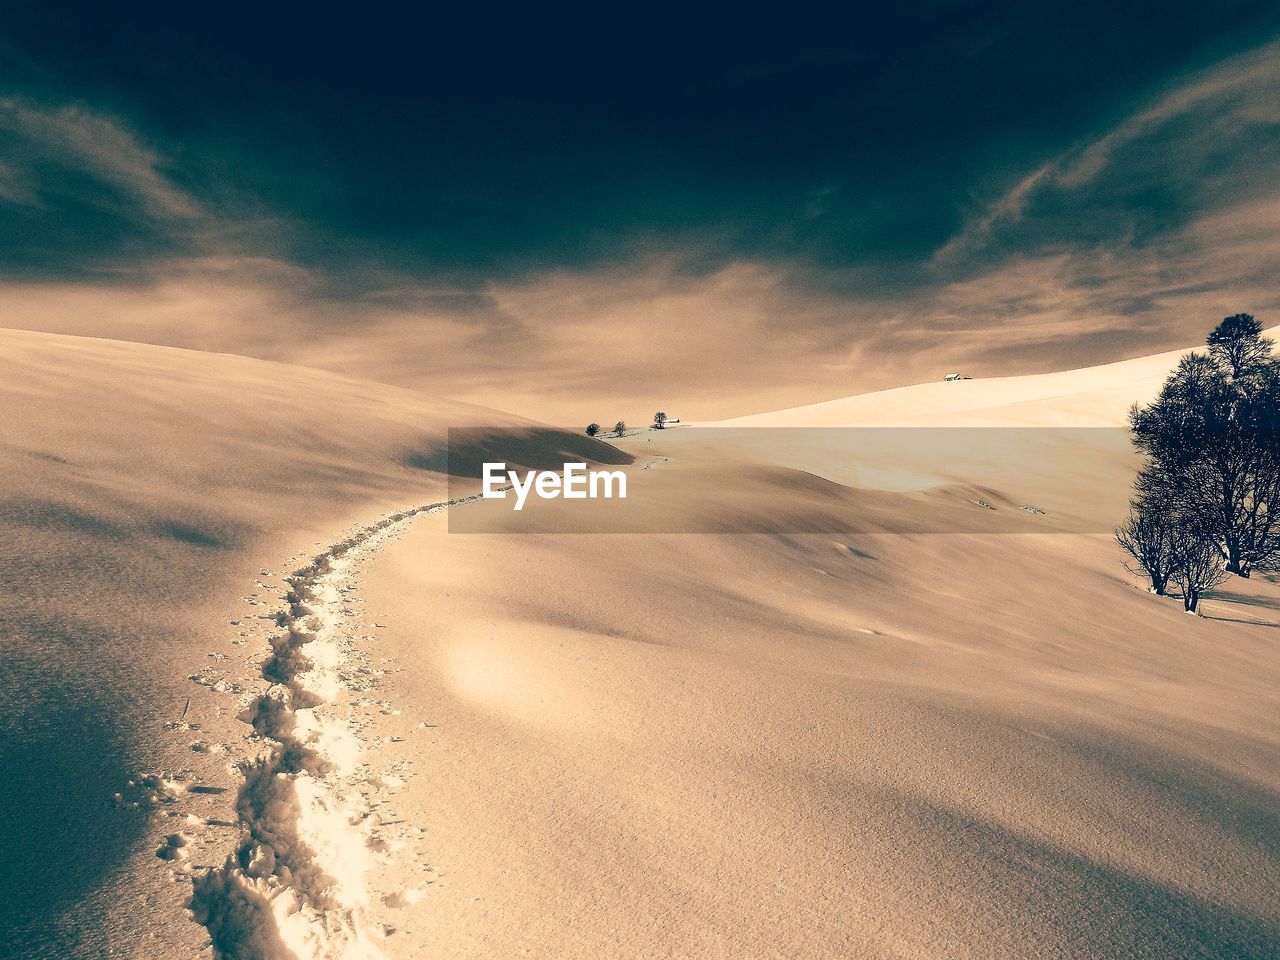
[(831, 744), (1090, 397), (148, 496)]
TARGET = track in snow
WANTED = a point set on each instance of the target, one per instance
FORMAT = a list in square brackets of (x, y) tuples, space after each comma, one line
[(297, 884)]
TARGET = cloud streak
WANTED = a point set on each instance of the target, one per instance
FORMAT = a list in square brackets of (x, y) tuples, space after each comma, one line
[(1179, 141), (74, 138)]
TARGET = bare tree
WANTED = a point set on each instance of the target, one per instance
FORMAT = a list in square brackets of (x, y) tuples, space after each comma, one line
[(1167, 542), (619, 428), (1148, 537), (660, 420), (593, 429), (1238, 346), (1198, 566)]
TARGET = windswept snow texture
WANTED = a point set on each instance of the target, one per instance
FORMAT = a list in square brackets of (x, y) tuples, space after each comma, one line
[(297, 886)]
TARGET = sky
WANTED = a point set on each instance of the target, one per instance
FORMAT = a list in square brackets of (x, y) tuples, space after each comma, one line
[(581, 218)]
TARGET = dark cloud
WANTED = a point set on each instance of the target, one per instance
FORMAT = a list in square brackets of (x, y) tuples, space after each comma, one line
[(473, 146)]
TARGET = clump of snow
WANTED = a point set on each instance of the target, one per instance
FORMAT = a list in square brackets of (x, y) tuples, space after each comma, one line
[(151, 790), (404, 898), (173, 848)]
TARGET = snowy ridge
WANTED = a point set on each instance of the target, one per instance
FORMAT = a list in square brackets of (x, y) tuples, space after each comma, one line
[(297, 884)]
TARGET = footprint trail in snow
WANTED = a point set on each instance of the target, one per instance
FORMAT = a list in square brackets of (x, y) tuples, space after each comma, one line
[(297, 885)]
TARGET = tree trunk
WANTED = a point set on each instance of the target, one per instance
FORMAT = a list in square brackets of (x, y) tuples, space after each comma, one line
[(1191, 601), (1234, 563)]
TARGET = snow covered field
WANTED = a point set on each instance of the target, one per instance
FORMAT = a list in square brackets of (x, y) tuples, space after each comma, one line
[(261, 703)]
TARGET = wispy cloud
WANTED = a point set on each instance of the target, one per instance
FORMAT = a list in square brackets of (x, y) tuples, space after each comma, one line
[(1176, 144), (77, 139)]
